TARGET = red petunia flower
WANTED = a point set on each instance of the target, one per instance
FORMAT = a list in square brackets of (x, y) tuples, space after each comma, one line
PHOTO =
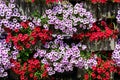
[(32, 1), (44, 74), (52, 1), (29, 68), (99, 77), (24, 25), (93, 75), (86, 76), (118, 1)]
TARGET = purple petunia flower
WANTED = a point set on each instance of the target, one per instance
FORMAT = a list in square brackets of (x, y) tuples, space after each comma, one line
[(64, 16), (118, 16), (63, 57), (5, 55), (116, 54)]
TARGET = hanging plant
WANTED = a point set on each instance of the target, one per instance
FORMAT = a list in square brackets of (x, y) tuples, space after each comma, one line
[(26, 38), (28, 35), (102, 71), (31, 69), (100, 30), (66, 19), (63, 58)]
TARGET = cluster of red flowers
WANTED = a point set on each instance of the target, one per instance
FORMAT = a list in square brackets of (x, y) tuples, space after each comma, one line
[(102, 71), (52, 1), (25, 37), (93, 1), (104, 1), (96, 33), (29, 69), (118, 1), (98, 1)]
